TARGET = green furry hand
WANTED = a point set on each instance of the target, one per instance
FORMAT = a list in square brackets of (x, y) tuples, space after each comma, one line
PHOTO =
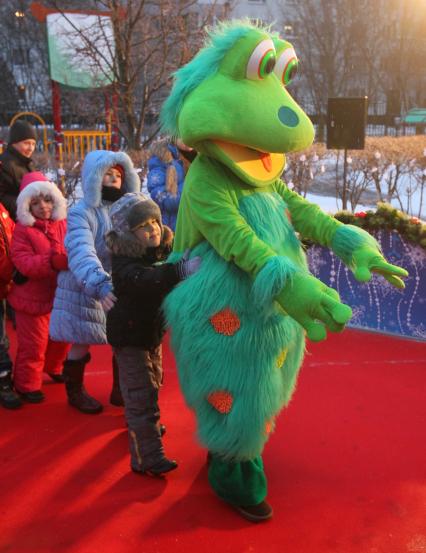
[(366, 260), (311, 303)]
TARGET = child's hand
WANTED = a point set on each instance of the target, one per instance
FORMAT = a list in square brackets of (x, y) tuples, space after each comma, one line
[(187, 267), (108, 302), (310, 302)]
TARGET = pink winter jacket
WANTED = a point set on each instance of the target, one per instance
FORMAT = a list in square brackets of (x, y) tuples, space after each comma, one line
[(31, 251)]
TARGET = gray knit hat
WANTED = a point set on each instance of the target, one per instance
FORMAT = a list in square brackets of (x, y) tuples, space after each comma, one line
[(121, 208), (141, 212)]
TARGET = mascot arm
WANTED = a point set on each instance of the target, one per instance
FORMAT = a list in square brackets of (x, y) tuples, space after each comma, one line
[(355, 247), (310, 302), (308, 219)]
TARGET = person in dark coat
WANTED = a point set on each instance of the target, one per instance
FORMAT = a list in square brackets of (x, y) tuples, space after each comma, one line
[(15, 162), (139, 245)]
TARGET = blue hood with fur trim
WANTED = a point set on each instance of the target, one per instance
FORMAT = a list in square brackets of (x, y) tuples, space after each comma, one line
[(96, 164)]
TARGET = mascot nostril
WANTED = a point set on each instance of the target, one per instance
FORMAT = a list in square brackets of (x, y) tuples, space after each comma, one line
[(288, 117)]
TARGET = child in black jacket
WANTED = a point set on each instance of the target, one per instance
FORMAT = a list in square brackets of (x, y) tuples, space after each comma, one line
[(135, 327)]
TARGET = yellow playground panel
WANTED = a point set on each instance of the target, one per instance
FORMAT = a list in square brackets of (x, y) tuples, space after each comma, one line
[(77, 143)]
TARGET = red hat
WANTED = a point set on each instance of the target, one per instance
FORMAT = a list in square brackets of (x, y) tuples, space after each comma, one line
[(120, 169), (34, 176)]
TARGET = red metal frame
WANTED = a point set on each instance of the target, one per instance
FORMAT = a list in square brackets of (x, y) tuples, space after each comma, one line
[(57, 122)]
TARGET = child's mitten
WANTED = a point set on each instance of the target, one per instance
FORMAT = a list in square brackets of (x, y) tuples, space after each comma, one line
[(187, 267)]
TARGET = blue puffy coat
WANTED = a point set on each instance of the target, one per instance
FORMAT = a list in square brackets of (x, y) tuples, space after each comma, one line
[(77, 315), (168, 203)]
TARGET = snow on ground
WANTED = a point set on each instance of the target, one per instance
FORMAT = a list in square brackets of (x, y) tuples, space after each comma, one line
[(330, 204)]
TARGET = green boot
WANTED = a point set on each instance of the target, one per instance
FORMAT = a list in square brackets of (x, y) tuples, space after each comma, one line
[(242, 485)]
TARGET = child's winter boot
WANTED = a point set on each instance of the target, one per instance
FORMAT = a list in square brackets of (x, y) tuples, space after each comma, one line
[(8, 397), (77, 395)]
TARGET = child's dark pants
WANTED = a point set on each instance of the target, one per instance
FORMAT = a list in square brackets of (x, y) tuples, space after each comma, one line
[(141, 375)]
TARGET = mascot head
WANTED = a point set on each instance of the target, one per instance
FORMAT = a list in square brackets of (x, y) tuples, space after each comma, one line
[(231, 102)]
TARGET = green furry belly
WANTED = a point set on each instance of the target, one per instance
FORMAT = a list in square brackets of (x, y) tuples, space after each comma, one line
[(256, 361)]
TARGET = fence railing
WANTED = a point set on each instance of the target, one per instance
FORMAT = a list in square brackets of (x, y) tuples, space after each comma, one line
[(77, 143)]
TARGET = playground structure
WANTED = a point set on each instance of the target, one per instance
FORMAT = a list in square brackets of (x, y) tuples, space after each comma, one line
[(78, 142), (71, 144), (75, 143)]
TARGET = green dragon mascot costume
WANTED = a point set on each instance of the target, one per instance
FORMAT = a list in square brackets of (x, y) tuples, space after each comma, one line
[(238, 325)]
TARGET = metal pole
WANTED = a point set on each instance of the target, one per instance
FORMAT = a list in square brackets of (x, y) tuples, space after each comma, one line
[(345, 169), (61, 172), (115, 137), (57, 124), (107, 120)]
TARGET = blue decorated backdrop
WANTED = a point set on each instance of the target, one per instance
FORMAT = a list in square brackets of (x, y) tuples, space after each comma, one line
[(377, 305)]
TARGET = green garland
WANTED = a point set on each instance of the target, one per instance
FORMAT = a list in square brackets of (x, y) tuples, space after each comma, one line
[(387, 217)]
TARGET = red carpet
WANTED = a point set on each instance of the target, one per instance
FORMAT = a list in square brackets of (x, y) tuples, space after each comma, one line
[(346, 466)]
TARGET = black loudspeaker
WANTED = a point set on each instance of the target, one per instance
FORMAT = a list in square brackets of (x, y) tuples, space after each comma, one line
[(346, 121)]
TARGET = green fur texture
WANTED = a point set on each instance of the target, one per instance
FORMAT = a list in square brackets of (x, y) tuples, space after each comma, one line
[(349, 238), (244, 364), (271, 279), (278, 233), (204, 64)]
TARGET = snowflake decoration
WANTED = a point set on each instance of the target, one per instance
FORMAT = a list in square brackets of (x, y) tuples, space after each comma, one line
[(316, 259)]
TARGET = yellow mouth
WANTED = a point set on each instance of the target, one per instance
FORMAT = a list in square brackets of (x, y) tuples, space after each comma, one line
[(259, 165)]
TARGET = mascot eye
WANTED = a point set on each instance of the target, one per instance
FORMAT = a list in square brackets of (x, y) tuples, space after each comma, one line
[(287, 66), (262, 61)]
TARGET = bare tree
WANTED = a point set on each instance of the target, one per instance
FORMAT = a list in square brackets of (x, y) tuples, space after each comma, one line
[(359, 48), (303, 167), (403, 53), (25, 64), (9, 100), (150, 40), (329, 34)]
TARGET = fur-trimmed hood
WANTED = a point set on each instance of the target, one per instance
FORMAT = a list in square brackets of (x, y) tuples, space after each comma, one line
[(95, 165), (126, 244), (35, 188)]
